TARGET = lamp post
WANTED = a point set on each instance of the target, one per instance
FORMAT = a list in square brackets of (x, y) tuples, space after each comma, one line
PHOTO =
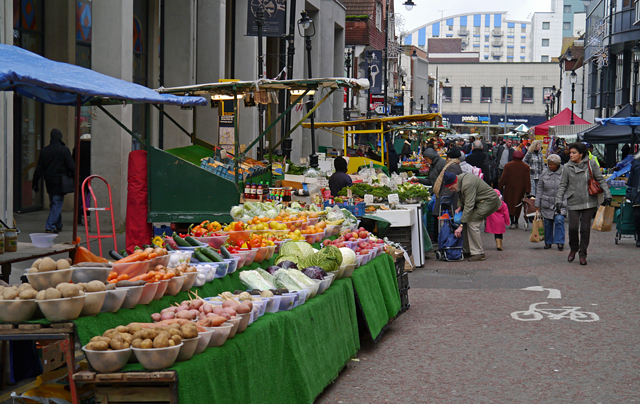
[(409, 5), (260, 24), (636, 64), (347, 65), (422, 104), (307, 29), (404, 86), (574, 78), (369, 59)]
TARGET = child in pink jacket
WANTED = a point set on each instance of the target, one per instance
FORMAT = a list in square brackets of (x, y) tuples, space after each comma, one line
[(497, 222)]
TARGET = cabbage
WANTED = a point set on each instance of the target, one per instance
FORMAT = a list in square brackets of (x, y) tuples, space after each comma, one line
[(265, 274), (283, 279), (237, 212), (348, 256), (283, 258), (299, 249), (315, 273), (271, 213), (253, 280), (300, 278), (329, 259)]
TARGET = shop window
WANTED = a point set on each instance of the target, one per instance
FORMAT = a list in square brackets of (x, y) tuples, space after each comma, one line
[(527, 95), (465, 94), (446, 94), (567, 8), (509, 51), (544, 58), (509, 95), (566, 26), (511, 31)]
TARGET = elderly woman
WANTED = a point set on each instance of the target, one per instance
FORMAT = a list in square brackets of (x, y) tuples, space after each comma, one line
[(548, 185), (535, 161), (514, 184), (582, 206)]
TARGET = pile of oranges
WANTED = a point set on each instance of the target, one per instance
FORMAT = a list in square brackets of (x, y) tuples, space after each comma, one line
[(318, 228)]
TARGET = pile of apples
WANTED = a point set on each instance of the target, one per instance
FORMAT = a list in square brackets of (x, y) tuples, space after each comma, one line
[(361, 236)]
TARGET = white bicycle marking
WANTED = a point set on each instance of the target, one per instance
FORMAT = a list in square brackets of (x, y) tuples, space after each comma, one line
[(553, 293), (571, 312)]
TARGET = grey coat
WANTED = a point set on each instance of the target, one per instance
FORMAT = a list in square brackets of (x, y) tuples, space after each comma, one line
[(574, 185), (548, 185)]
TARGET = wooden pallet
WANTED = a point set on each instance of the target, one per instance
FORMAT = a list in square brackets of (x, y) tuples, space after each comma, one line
[(36, 328), (131, 387)]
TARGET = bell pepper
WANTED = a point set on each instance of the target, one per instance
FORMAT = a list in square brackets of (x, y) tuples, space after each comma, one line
[(240, 242), (238, 226), (255, 242), (158, 241), (214, 226)]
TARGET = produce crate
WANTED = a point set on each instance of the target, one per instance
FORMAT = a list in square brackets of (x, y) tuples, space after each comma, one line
[(356, 210), (401, 235), (403, 285), (618, 190), (160, 230)]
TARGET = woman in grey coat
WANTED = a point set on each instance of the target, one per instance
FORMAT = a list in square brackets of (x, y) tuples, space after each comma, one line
[(548, 185), (581, 205), (535, 161)]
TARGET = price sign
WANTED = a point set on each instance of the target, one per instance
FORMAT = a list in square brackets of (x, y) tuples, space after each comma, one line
[(349, 194), (323, 183), (368, 199), (393, 199), (384, 181), (398, 180)]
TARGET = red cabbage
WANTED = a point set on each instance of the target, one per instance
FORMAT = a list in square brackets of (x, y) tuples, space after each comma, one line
[(315, 272), (288, 265), (272, 269)]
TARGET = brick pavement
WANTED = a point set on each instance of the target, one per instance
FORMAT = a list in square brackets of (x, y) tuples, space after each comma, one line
[(459, 344)]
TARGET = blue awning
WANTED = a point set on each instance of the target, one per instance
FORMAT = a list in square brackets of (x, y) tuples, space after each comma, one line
[(52, 82)]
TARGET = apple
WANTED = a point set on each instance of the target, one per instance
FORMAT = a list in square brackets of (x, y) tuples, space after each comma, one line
[(365, 251), (342, 244), (361, 229), (326, 242), (363, 244), (380, 241), (363, 234), (358, 249)]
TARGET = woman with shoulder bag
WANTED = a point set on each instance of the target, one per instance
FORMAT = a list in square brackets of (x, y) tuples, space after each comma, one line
[(579, 185), (548, 185), (633, 194)]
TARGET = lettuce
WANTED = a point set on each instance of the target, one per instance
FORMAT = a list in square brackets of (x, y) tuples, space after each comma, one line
[(348, 256), (299, 249), (283, 279)]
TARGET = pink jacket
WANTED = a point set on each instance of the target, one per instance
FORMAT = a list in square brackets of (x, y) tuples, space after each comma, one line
[(498, 221)]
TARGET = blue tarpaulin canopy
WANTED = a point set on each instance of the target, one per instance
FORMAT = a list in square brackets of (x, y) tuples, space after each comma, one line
[(52, 82), (628, 121)]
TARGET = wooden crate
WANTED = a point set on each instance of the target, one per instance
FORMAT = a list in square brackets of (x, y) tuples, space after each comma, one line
[(132, 387)]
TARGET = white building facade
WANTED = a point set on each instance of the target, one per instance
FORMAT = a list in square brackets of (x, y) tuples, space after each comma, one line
[(546, 37)]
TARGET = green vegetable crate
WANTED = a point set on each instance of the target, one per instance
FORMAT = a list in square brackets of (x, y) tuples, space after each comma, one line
[(356, 210)]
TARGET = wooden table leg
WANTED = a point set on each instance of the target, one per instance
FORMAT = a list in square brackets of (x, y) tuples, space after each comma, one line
[(68, 348), (6, 272)]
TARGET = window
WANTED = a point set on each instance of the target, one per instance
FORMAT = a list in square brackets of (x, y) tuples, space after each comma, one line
[(487, 29), (544, 58), (509, 51), (476, 39), (523, 40), (546, 25), (485, 94), (523, 29), (379, 16), (566, 26), (509, 95), (545, 42), (527, 95), (476, 30), (510, 31), (450, 27), (465, 94), (567, 8), (446, 94), (510, 41), (523, 50)]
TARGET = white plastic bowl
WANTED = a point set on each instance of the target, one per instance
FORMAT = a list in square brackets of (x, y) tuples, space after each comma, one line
[(188, 349), (93, 302), (203, 342), (324, 284), (62, 309), (189, 281), (113, 301), (88, 274), (175, 285), (157, 358), (288, 301), (49, 279), (273, 305), (348, 270), (16, 311), (245, 319), (219, 334), (162, 287), (42, 240), (133, 296), (148, 292), (236, 323), (107, 361)]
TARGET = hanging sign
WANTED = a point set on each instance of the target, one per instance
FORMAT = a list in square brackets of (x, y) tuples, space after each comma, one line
[(376, 71), (275, 16)]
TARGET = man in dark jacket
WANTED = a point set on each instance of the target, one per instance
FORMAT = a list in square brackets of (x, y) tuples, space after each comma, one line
[(54, 162), (477, 156), (468, 147), (340, 178), (406, 150), (633, 194), (436, 164)]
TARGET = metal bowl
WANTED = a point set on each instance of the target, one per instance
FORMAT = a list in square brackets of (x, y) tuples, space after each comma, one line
[(68, 308), (113, 301), (15, 311), (51, 279), (189, 281), (148, 292), (203, 342), (175, 285), (107, 361), (93, 302), (88, 274), (157, 358), (219, 334), (188, 349), (133, 296), (235, 322)]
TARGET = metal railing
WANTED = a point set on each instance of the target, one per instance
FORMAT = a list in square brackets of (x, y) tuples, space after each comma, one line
[(497, 32), (496, 53), (463, 31), (496, 43)]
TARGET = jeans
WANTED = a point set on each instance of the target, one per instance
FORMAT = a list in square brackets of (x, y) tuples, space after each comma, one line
[(580, 229), (554, 230), (54, 221)]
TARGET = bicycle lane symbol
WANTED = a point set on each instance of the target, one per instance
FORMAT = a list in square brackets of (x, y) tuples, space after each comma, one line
[(571, 312)]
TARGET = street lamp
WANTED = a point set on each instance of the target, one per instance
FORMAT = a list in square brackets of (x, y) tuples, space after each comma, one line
[(369, 59), (574, 79), (307, 29), (422, 104), (409, 4)]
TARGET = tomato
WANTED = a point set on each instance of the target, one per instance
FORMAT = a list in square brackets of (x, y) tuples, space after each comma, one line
[(255, 242), (239, 242)]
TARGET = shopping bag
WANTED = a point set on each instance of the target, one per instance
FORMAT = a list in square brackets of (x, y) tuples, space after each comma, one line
[(537, 230), (604, 218)]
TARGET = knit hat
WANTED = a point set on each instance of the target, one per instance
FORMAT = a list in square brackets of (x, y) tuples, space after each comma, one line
[(449, 179), (454, 153), (518, 155), (554, 158)]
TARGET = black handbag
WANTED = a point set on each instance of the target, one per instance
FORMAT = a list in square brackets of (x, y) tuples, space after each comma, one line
[(68, 184)]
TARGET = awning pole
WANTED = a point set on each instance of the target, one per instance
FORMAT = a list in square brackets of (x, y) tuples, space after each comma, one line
[(77, 170), (236, 156)]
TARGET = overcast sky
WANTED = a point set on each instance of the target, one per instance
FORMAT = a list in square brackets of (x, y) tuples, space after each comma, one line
[(429, 10)]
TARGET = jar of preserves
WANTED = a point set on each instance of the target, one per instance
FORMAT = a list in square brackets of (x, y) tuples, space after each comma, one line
[(10, 240)]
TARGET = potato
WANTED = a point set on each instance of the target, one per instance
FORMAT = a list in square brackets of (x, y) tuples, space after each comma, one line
[(69, 291), (138, 334), (136, 343), (173, 331), (189, 331), (97, 346), (28, 294), (46, 265), (111, 333), (150, 333), (52, 293), (9, 294), (133, 328), (95, 286), (111, 286), (127, 337), (171, 343), (23, 287), (61, 285), (36, 263), (62, 264), (122, 329), (176, 339), (99, 338), (117, 342), (41, 295), (161, 341), (243, 308), (146, 344)]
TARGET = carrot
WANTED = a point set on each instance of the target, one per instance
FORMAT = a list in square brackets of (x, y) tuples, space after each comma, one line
[(112, 275), (152, 255), (135, 257), (122, 277), (143, 277)]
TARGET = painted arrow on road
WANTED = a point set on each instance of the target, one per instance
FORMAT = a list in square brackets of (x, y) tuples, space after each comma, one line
[(553, 293)]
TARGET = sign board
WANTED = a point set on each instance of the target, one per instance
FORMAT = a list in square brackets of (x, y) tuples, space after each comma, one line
[(434, 108), (275, 16), (377, 100), (376, 71), (393, 199), (368, 199)]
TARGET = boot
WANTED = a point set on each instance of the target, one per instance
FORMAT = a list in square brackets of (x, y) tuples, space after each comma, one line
[(499, 244)]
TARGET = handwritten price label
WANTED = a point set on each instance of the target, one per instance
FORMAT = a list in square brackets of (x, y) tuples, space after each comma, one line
[(368, 199), (393, 199)]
